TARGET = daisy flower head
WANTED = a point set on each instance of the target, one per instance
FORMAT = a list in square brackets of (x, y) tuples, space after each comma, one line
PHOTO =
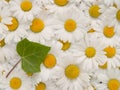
[(69, 24), (113, 55), (107, 33), (16, 31), (90, 53), (108, 80), (93, 10), (69, 75), (17, 81), (41, 28), (24, 10), (46, 85)]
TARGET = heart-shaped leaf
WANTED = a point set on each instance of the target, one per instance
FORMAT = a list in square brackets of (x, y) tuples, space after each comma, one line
[(32, 55)]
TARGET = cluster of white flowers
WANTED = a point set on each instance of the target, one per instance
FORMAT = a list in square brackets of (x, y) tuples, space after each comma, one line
[(84, 36)]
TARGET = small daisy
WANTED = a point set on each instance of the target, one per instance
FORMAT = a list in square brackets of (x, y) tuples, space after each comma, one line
[(17, 80), (46, 85), (108, 80), (107, 33), (24, 10), (111, 2), (40, 28), (113, 56), (16, 31), (93, 10), (90, 52), (69, 24), (69, 75)]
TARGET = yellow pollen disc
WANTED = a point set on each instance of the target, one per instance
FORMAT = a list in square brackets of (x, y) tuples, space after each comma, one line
[(7, 0), (72, 71), (66, 45), (15, 83), (50, 61), (114, 5), (94, 11), (14, 25), (113, 84), (37, 25), (91, 31), (41, 86), (104, 66), (118, 15), (61, 2), (70, 25), (110, 51), (26, 5), (2, 43), (108, 31), (90, 52)]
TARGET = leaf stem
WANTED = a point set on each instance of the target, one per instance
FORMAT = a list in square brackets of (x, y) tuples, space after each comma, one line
[(13, 68)]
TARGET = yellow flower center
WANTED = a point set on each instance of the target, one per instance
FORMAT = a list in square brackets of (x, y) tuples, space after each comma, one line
[(70, 25), (90, 52), (114, 5), (91, 31), (72, 71), (26, 5), (108, 31), (41, 86), (110, 51), (2, 43), (66, 45), (15, 83), (113, 84), (50, 61), (61, 2), (94, 11), (37, 25), (104, 66), (118, 15), (14, 25), (7, 0)]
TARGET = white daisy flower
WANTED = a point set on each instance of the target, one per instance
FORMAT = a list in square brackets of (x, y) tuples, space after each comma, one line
[(113, 56), (46, 85), (4, 3), (69, 24), (69, 75), (17, 80), (24, 10), (93, 10), (40, 29), (108, 80), (107, 33), (90, 52), (16, 31)]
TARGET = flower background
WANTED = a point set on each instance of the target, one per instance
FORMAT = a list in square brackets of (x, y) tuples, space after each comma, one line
[(84, 40)]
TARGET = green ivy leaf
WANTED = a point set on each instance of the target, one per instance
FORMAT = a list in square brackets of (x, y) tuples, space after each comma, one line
[(32, 55)]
